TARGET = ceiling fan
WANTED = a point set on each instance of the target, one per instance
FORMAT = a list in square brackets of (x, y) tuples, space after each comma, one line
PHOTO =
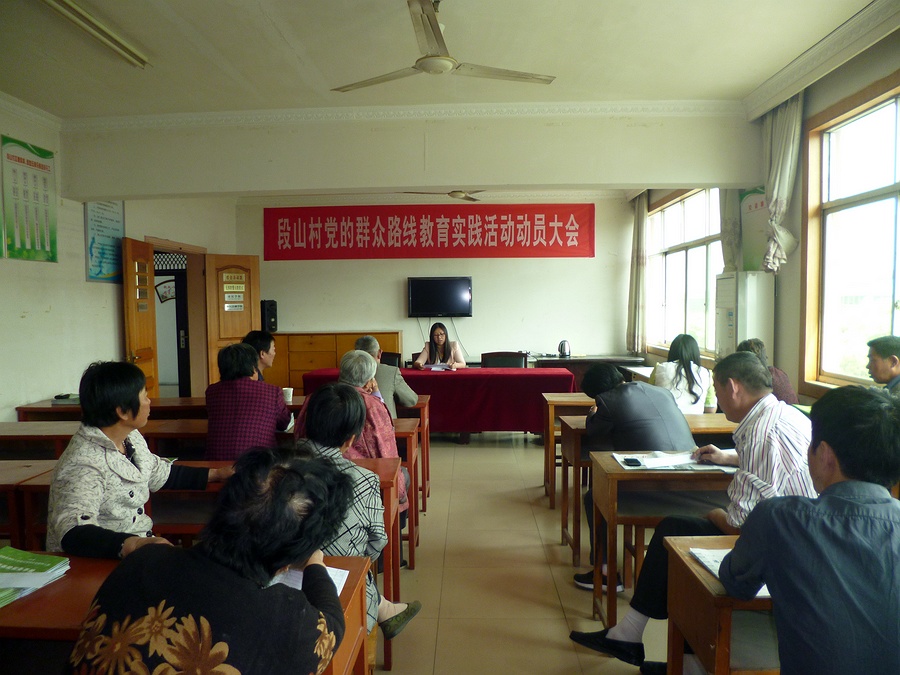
[(436, 59), (465, 195)]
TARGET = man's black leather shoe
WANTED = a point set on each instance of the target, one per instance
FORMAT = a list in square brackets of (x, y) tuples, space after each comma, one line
[(654, 668), (629, 652)]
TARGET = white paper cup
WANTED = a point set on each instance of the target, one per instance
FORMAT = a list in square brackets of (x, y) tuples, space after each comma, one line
[(288, 394)]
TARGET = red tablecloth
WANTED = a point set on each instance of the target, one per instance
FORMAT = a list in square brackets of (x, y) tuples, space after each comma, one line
[(477, 399)]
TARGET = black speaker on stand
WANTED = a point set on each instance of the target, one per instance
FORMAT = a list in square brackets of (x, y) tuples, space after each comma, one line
[(269, 311)]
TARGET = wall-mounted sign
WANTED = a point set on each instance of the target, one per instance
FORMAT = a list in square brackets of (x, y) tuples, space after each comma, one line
[(233, 276), (234, 297), (234, 308), (104, 227), (29, 201), (429, 231), (233, 288)]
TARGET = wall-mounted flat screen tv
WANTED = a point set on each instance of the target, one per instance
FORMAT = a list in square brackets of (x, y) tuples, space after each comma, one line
[(440, 296)]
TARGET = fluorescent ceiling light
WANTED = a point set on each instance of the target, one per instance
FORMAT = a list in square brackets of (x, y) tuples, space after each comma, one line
[(93, 27)]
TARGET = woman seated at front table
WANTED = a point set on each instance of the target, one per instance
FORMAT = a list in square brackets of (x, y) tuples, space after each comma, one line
[(439, 350), (690, 383), (377, 438), (211, 608), (104, 478)]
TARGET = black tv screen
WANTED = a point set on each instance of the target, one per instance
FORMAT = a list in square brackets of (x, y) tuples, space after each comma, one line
[(440, 296)]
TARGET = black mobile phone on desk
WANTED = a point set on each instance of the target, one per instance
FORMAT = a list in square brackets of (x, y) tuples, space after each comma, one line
[(631, 461)]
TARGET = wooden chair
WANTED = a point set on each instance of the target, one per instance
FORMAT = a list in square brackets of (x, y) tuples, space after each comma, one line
[(504, 360), (391, 358)]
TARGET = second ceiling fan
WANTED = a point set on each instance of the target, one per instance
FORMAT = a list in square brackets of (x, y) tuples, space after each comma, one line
[(436, 59)]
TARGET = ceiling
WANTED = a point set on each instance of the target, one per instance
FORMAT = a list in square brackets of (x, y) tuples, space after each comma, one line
[(241, 55)]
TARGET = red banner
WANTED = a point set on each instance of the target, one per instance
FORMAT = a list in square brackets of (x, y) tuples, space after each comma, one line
[(429, 231)]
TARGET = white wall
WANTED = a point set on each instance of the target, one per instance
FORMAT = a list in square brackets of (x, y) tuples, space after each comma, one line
[(528, 304), (205, 157)]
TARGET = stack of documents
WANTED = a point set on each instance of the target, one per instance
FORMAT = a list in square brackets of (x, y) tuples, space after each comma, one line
[(711, 559), (22, 572)]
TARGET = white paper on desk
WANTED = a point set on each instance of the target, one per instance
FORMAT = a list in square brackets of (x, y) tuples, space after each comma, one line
[(294, 578), (436, 366), (28, 579), (655, 460), (711, 559)]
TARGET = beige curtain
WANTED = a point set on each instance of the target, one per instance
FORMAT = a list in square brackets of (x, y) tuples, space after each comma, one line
[(636, 330), (781, 156), (730, 216)]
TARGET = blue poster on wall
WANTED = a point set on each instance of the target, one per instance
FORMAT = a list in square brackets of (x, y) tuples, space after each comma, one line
[(104, 227)]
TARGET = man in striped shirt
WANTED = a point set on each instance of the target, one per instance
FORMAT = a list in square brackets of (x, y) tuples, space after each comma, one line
[(771, 441)]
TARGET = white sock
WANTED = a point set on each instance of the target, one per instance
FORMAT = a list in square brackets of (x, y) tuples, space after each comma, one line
[(629, 629), (692, 665), (388, 609)]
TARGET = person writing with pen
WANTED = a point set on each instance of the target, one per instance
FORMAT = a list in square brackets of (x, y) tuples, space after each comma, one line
[(771, 440)]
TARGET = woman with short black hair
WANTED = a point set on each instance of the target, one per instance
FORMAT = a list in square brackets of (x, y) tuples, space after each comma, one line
[(104, 478)]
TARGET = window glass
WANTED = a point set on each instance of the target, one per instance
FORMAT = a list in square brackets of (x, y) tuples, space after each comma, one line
[(859, 267), (655, 296), (715, 266), (695, 314), (695, 217), (861, 155), (673, 225), (683, 261), (675, 294)]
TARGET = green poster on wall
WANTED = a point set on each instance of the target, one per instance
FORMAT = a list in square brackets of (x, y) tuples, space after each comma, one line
[(29, 201)]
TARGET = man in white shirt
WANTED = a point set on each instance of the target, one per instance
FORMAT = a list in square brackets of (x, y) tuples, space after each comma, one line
[(770, 455)]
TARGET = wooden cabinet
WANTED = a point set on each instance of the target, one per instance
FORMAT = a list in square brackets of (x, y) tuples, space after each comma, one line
[(298, 353)]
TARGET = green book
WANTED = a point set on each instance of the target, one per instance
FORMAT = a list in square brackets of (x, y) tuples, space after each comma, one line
[(22, 572)]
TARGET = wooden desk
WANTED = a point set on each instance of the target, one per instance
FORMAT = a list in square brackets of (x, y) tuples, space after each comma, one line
[(58, 433), (573, 430), (557, 405), (554, 406), (637, 373), (54, 613), (55, 435), (710, 424), (422, 410), (179, 518), (580, 364), (388, 472), (703, 614), (185, 407), (660, 493), (407, 435), (12, 473)]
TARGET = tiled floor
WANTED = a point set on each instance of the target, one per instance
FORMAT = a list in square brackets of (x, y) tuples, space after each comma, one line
[(494, 581)]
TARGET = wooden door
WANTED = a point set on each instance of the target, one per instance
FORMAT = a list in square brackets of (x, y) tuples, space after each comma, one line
[(140, 309), (232, 303)]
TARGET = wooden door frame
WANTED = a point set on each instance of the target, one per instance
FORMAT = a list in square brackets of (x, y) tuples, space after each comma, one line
[(196, 289)]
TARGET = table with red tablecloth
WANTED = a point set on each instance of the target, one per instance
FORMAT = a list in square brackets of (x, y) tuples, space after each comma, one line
[(477, 399)]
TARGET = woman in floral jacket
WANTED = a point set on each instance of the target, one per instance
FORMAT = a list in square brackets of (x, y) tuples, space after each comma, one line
[(212, 608)]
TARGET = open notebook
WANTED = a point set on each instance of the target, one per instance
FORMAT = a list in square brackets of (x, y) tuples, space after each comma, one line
[(711, 559), (668, 460)]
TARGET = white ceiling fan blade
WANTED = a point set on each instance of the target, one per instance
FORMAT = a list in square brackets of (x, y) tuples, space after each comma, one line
[(396, 75), (428, 32), (500, 74), (465, 195)]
